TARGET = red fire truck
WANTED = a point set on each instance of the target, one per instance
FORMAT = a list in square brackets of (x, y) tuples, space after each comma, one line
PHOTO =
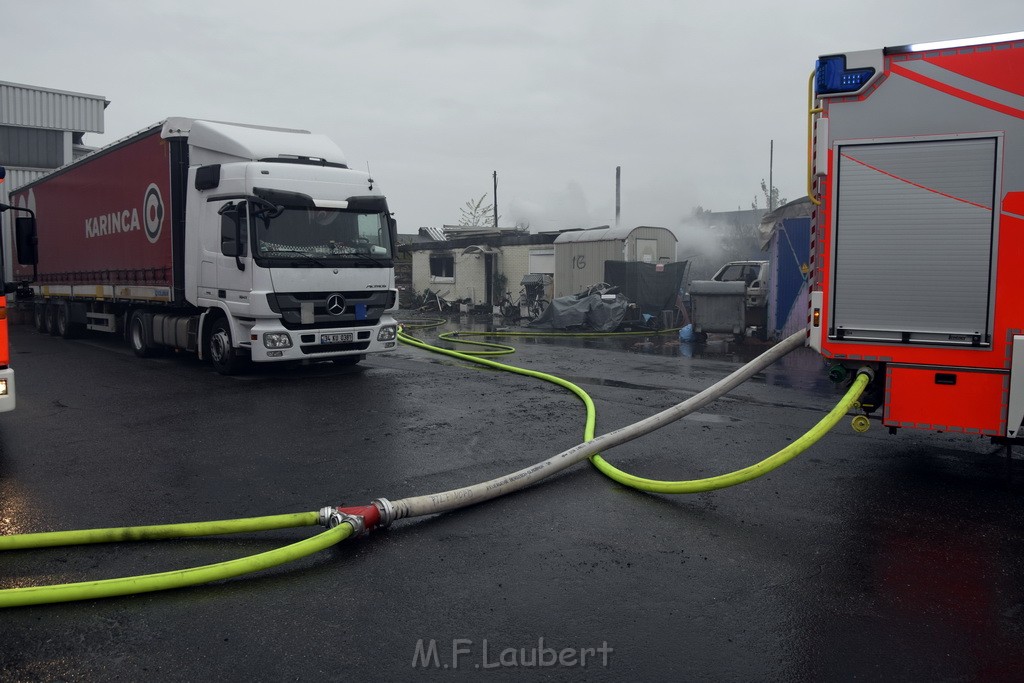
[(6, 371), (916, 158)]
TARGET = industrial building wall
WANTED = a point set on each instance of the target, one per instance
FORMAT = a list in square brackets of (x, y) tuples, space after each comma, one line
[(35, 107), (32, 147)]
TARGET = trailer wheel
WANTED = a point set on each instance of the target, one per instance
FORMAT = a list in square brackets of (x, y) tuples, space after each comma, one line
[(65, 328), (139, 334), (223, 356), (51, 318), (39, 317)]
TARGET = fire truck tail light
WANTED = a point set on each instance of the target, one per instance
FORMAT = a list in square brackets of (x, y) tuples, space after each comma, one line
[(816, 317), (831, 76)]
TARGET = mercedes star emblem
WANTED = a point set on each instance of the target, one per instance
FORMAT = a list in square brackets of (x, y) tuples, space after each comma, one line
[(335, 304)]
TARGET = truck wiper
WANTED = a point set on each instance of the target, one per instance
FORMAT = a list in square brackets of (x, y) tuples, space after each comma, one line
[(303, 254), (366, 257)]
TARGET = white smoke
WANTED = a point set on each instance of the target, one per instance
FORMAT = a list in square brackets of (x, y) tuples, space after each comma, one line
[(558, 210), (702, 245)]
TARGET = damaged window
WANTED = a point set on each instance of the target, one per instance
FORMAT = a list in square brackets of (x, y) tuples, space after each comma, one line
[(442, 265)]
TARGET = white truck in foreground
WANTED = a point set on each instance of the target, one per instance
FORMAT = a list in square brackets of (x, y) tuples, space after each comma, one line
[(233, 241)]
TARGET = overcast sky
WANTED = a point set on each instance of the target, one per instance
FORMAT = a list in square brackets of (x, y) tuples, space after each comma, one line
[(435, 95)]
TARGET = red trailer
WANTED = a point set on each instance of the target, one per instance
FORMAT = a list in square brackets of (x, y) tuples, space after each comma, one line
[(113, 223), (917, 165)]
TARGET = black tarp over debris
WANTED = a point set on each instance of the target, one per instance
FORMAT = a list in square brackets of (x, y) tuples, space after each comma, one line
[(652, 290), (586, 311)]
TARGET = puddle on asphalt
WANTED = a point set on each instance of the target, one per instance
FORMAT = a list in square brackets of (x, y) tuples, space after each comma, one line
[(801, 369)]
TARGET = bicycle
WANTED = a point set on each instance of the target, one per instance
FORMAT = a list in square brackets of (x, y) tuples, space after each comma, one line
[(509, 308), (536, 306), (512, 309)]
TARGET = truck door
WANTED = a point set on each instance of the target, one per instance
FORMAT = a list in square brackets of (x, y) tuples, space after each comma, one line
[(233, 262)]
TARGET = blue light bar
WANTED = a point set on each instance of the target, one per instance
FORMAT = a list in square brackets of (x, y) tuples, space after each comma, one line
[(832, 77)]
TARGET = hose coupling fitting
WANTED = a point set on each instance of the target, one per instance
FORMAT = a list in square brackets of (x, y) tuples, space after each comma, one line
[(332, 517), (387, 511), (867, 370), (324, 518), (363, 518)]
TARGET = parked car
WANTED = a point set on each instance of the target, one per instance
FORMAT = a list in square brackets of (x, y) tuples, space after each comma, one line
[(753, 273), (734, 300)]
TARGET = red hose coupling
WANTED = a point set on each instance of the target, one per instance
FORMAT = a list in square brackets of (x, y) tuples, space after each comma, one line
[(363, 518)]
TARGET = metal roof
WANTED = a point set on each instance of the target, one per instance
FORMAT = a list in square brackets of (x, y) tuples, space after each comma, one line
[(603, 234), (434, 234), (29, 105)]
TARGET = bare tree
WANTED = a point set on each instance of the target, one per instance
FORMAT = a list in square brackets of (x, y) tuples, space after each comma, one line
[(477, 214), (771, 201)]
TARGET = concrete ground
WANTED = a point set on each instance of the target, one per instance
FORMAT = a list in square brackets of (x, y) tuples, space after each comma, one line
[(870, 556)]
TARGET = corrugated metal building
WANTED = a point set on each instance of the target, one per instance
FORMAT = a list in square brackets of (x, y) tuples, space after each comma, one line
[(41, 129), (580, 254), (786, 236)]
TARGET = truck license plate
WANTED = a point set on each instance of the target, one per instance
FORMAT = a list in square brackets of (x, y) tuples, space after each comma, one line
[(336, 338)]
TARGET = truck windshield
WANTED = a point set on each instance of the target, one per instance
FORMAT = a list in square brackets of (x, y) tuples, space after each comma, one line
[(323, 234)]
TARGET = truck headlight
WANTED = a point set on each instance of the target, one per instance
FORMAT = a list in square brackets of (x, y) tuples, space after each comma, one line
[(3, 387), (387, 333), (277, 340)]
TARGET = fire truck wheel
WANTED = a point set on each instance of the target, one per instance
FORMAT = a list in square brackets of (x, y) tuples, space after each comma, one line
[(39, 317), (223, 356), (139, 334)]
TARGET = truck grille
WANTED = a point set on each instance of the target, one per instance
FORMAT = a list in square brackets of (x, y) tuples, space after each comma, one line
[(332, 348), (362, 309)]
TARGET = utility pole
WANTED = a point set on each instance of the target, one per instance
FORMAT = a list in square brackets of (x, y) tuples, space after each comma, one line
[(618, 189), (495, 200), (771, 188)]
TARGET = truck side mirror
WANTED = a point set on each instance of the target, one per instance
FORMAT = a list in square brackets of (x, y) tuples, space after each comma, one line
[(26, 240), (208, 177), (393, 230)]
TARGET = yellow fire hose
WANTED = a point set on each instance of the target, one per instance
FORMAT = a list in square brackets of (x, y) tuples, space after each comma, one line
[(343, 528)]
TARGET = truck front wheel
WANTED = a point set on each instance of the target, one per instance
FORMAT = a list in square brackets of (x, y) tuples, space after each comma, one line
[(224, 357)]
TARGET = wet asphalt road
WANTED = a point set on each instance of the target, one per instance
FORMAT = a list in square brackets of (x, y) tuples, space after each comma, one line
[(870, 556)]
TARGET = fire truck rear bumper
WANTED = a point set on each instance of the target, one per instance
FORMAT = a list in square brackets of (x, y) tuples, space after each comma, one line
[(6, 390)]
